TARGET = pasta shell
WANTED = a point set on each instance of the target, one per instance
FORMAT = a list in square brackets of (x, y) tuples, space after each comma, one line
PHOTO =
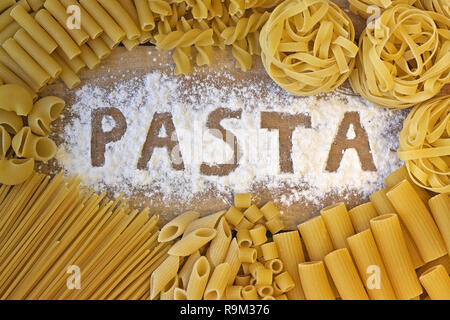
[(44, 112), (26, 145), (11, 121), (15, 171)]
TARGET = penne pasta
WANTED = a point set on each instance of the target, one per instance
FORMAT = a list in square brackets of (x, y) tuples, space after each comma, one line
[(314, 280), (209, 221), (338, 224), (176, 227), (232, 258), (440, 208), (168, 293), (76, 64), (192, 242), (179, 294), (389, 238), (291, 254), (185, 272), (218, 282), (219, 246), (418, 221), (361, 216), (163, 275), (436, 282), (345, 276), (370, 266), (198, 279)]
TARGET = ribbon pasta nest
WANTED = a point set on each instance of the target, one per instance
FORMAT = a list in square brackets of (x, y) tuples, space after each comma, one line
[(21, 145), (307, 47), (404, 57), (368, 8), (425, 144)]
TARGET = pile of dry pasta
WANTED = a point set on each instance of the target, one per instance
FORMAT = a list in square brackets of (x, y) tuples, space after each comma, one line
[(41, 41), (21, 145), (51, 227), (393, 247)]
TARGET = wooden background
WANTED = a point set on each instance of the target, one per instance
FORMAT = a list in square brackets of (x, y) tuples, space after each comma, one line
[(123, 65)]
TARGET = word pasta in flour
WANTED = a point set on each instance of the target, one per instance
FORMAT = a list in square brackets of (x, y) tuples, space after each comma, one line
[(181, 137)]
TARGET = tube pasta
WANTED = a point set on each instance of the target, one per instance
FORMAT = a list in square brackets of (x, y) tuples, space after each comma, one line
[(424, 143), (9, 31), (440, 207), (234, 216), (99, 47), (276, 265), (15, 171), (146, 18), (6, 18), (232, 258), (370, 266), (345, 276), (253, 214), (218, 282), (402, 174), (122, 18), (9, 77), (285, 282), (6, 4), (264, 276), (234, 293), (10, 121), (15, 98), (176, 227), (418, 221), (27, 145), (163, 275), (381, 202), (244, 224), (242, 200), (314, 280), (219, 245), (192, 242), (87, 22), (185, 272), (258, 234), (250, 293), (269, 251), (168, 293), (247, 255), (76, 64), (338, 224), (361, 215), (436, 282), (104, 20), (26, 21), (316, 238), (209, 221), (275, 225), (297, 67), (199, 279), (391, 244), (37, 53), (44, 112), (179, 294), (244, 238), (291, 254), (383, 75), (68, 76), (270, 211)]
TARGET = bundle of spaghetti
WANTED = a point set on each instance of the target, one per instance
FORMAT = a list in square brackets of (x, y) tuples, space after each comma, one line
[(439, 6), (307, 47), (425, 144), (404, 57), (367, 8), (52, 227)]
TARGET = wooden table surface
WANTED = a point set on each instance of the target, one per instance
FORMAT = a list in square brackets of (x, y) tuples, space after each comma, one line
[(126, 65)]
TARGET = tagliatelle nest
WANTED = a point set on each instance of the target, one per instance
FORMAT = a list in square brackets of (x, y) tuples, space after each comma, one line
[(368, 8), (404, 57), (307, 46), (439, 6), (425, 144)]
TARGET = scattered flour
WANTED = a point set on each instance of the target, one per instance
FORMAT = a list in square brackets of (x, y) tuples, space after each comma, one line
[(139, 98)]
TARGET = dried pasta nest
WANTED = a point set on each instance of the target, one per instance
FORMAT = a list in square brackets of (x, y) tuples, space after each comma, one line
[(368, 8), (425, 144), (307, 46), (439, 6), (404, 57)]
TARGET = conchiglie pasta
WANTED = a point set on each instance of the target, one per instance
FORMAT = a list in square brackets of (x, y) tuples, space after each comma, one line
[(15, 171), (44, 112), (15, 98), (28, 145), (5, 142)]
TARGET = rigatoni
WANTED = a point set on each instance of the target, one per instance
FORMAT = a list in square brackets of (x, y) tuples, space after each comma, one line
[(234, 216), (402, 174), (192, 242), (345, 276), (440, 208), (198, 279), (436, 282), (316, 238), (275, 225), (314, 280), (253, 214), (218, 282), (370, 266), (391, 244), (247, 255), (361, 215), (284, 282), (381, 202), (291, 254), (269, 251), (338, 224), (242, 200), (418, 221), (258, 235)]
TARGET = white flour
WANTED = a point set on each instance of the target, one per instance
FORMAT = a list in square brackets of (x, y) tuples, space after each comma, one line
[(140, 98)]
